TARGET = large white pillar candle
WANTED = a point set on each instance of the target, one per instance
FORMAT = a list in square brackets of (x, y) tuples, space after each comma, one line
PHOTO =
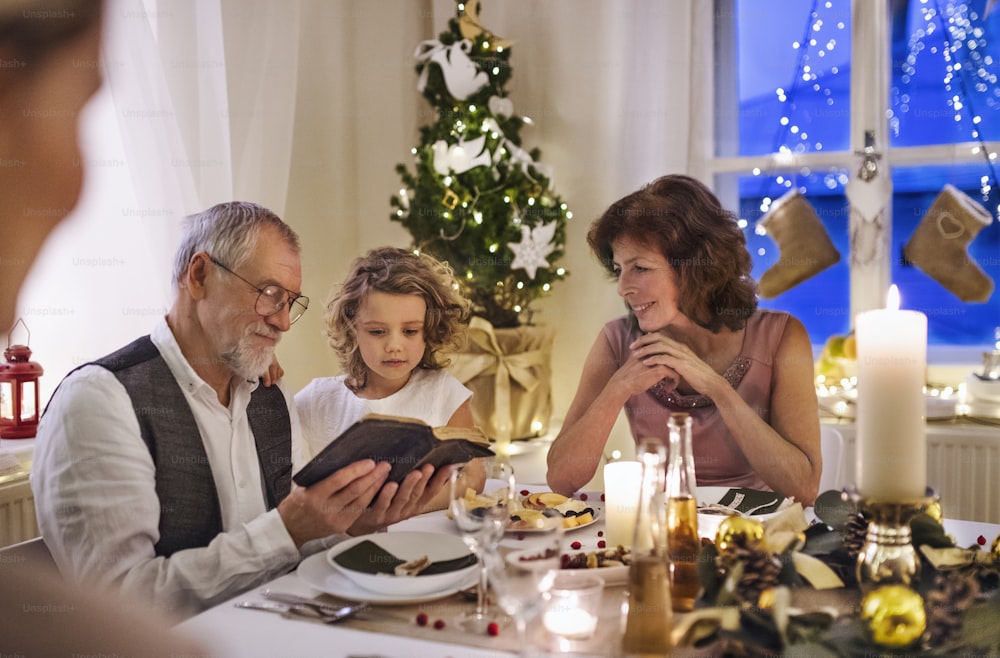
[(621, 501), (892, 438)]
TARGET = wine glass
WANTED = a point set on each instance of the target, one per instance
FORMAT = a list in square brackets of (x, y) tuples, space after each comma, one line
[(481, 512), (521, 579)]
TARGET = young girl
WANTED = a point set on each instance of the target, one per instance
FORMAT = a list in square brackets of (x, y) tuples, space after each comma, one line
[(388, 323)]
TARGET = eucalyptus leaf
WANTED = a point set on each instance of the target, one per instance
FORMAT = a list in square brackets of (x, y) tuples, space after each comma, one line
[(789, 575), (706, 572), (926, 530), (979, 628), (809, 650), (833, 509)]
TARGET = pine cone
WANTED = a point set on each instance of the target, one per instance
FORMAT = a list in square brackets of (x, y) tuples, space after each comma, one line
[(855, 532), (946, 603), (760, 568)]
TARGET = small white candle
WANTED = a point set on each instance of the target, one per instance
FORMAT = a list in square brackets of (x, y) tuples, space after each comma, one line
[(570, 622), (621, 501), (892, 439)]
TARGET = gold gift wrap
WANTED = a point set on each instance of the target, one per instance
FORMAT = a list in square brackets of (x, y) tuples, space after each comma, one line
[(509, 372)]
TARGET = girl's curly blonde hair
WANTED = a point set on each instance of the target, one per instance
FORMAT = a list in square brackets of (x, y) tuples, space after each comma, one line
[(397, 272)]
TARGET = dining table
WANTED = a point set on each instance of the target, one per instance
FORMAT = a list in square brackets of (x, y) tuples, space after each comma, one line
[(419, 626)]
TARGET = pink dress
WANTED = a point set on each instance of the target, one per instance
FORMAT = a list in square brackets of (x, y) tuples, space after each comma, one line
[(718, 460)]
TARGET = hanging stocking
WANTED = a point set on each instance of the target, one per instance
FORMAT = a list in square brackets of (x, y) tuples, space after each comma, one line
[(806, 249), (938, 246)]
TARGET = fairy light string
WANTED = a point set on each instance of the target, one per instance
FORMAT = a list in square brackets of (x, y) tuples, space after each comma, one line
[(785, 123), (955, 69)]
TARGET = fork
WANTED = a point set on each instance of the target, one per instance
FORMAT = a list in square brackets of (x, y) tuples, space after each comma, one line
[(341, 608), (303, 610)]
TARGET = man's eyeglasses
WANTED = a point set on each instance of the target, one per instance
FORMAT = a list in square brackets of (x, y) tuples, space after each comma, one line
[(272, 299)]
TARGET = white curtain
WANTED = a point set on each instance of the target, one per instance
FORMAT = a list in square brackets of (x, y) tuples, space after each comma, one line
[(306, 106), (197, 107)]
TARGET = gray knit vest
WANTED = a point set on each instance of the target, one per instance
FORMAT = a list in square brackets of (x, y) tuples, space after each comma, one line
[(190, 516)]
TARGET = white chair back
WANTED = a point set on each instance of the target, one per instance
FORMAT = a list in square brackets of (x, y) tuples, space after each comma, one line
[(832, 443)]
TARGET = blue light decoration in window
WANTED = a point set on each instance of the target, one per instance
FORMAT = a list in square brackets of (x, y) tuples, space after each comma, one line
[(794, 97), (945, 90), (794, 76)]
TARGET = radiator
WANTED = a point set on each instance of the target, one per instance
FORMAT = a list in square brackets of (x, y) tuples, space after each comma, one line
[(966, 475), (17, 510), (963, 468)]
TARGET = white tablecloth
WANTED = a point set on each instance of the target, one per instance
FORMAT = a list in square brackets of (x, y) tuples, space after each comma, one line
[(232, 632)]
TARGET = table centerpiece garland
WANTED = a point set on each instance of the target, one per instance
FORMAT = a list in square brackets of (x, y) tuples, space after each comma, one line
[(753, 573)]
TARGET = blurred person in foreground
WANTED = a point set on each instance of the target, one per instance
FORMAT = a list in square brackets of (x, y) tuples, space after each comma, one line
[(693, 341), (43, 89)]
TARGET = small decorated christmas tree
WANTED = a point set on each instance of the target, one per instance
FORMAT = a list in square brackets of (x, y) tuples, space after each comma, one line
[(476, 197)]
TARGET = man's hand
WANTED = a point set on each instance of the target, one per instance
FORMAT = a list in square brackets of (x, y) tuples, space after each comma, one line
[(273, 374), (397, 502), (332, 505)]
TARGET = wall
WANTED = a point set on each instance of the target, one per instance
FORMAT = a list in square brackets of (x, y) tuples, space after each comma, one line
[(607, 116)]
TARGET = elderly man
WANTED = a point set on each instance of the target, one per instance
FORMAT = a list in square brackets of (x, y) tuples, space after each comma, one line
[(166, 467)]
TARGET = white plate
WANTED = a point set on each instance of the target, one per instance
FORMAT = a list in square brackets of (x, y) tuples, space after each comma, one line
[(596, 515), (316, 572), (407, 546), (610, 575)]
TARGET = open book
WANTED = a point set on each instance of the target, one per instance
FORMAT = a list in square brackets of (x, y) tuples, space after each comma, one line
[(406, 443)]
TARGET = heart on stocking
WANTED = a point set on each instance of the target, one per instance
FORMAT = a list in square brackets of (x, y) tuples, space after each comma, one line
[(949, 226)]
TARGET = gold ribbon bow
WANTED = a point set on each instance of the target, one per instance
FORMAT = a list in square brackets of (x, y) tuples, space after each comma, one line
[(492, 361)]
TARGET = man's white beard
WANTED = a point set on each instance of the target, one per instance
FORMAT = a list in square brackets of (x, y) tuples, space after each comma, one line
[(249, 362)]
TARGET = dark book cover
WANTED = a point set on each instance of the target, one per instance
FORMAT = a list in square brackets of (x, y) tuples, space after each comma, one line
[(406, 443)]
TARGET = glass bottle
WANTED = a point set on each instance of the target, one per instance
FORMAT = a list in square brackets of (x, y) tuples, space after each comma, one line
[(683, 543), (650, 616)]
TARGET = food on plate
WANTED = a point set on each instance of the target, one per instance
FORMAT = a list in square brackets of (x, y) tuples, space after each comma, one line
[(526, 518), (609, 557), (544, 500), (574, 512), (413, 567), (473, 500)]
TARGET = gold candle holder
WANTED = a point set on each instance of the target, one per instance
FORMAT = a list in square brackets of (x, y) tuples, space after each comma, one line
[(887, 555)]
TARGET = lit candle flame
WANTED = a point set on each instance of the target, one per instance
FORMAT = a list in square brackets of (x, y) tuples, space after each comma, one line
[(892, 299)]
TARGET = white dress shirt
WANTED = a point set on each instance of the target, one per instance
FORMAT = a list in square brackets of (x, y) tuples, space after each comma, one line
[(94, 485)]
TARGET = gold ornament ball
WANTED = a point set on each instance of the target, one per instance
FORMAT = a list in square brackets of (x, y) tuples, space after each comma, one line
[(934, 511), (733, 527), (894, 615), (995, 548)]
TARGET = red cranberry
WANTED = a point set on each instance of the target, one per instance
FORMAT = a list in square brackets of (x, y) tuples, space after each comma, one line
[(575, 545), (981, 540), (493, 629), (421, 619), (583, 496), (438, 624), (602, 544)]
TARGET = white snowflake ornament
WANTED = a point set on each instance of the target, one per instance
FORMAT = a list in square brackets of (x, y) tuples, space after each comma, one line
[(535, 246)]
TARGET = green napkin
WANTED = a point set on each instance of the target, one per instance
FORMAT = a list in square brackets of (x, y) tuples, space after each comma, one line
[(368, 557), (746, 500)]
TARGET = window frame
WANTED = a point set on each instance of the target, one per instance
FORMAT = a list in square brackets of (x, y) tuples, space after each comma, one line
[(870, 95)]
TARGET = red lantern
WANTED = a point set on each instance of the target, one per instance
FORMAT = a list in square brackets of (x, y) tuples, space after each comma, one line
[(19, 391)]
